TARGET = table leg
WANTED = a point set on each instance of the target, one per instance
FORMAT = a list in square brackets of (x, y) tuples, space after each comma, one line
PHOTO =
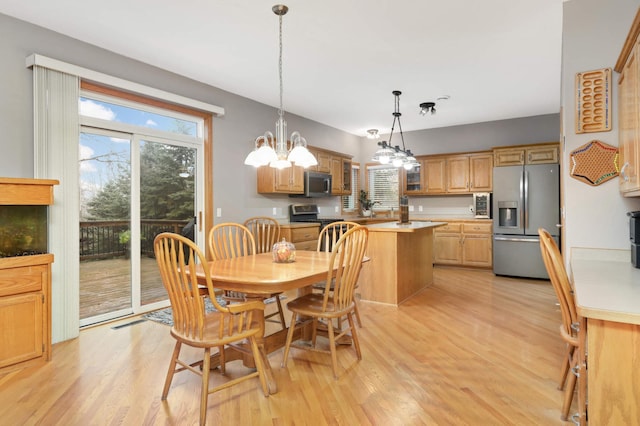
[(248, 360)]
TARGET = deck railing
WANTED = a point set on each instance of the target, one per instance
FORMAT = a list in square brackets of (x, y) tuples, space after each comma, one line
[(102, 239)]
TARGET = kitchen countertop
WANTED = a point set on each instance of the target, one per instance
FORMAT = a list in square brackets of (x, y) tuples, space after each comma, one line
[(606, 284), (412, 226)]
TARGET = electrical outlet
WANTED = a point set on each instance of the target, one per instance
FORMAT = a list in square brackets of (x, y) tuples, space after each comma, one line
[(337, 209), (419, 208), (275, 211), (219, 212), (410, 208)]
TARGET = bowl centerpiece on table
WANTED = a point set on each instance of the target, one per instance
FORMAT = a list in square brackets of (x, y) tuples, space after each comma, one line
[(284, 252)]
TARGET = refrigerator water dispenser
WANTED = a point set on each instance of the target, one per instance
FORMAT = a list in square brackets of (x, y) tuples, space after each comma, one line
[(508, 214)]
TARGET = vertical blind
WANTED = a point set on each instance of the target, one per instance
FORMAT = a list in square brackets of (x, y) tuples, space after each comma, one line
[(383, 185)]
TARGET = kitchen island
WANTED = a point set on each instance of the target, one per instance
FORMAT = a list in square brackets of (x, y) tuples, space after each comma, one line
[(401, 262)]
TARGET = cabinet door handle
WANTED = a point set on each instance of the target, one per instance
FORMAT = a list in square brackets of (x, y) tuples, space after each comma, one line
[(623, 174)]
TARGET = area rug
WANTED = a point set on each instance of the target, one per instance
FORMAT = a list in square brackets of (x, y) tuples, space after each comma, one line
[(164, 316)]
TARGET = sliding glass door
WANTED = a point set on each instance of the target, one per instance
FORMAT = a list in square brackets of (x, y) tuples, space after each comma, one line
[(133, 187)]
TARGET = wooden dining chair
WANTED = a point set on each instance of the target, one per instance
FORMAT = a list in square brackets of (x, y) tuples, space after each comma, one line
[(346, 258), (575, 354), (266, 232), (227, 241), (231, 325), (329, 235)]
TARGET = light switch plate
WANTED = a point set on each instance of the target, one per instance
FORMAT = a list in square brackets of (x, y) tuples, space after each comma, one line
[(419, 208), (219, 212), (275, 211)]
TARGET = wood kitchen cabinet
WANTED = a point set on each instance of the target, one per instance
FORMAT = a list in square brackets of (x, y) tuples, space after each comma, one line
[(470, 173), (458, 173), (303, 235), (477, 244), (451, 174), (466, 243), (628, 110), (447, 247), (435, 175), (340, 175), (283, 181), (546, 153), (324, 160)]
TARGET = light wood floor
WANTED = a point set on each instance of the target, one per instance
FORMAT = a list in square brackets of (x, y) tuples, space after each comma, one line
[(474, 349)]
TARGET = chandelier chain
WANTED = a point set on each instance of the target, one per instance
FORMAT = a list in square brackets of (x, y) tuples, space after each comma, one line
[(280, 110)]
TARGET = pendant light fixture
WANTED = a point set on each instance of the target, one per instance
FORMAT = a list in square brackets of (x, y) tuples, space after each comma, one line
[(278, 152), (399, 157)]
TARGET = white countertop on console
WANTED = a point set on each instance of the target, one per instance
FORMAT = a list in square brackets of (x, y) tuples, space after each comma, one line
[(606, 284)]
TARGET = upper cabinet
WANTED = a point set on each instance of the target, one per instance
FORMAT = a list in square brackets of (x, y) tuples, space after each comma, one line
[(291, 180), (340, 175), (435, 175), (450, 174), (470, 173), (481, 172), (544, 153), (284, 181), (628, 110)]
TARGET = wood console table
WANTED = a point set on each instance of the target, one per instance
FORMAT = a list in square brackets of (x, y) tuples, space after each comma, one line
[(607, 289)]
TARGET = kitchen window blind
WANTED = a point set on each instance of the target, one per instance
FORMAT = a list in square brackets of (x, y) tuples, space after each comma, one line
[(383, 186)]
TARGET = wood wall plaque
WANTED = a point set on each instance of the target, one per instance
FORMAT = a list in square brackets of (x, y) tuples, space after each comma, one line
[(594, 163), (593, 101)]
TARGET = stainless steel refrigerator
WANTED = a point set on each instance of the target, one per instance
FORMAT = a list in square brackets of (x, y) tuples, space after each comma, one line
[(525, 198)]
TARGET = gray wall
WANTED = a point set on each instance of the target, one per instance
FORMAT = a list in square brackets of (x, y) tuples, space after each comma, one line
[(475, 137), (593, 34), (234, 183)]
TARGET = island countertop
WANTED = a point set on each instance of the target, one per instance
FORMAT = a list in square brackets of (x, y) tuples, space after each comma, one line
[(412, 226)]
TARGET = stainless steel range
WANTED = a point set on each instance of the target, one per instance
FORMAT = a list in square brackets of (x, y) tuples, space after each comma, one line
[(309, 213)]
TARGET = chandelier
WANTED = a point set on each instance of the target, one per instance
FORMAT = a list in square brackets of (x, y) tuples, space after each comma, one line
[(278, 152), (399, 157)]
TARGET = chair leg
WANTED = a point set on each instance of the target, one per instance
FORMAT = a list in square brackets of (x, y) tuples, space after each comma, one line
[(354, 335), (332, 347), (172, 370), (281, 312), (257, 356), (204, 396), (287, 345), (223, 360), (566, 364), (355, 309), (568, 396)]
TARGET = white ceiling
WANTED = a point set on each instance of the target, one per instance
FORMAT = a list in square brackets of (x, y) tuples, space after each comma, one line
[(497, 59)]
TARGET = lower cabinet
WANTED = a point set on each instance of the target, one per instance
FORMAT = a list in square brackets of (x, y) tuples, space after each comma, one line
[(464, 244), (304, 236), (25, 306)]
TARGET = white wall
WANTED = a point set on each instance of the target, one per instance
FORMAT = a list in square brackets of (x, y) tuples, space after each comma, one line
[(593, 34)]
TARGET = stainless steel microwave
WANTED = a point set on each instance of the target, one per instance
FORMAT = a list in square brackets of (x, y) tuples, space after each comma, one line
[(316, 184)]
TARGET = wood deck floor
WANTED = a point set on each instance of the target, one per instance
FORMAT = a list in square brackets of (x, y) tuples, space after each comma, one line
[(105, 285)]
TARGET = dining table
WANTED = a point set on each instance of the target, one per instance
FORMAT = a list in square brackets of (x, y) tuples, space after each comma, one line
[(259, 277)]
